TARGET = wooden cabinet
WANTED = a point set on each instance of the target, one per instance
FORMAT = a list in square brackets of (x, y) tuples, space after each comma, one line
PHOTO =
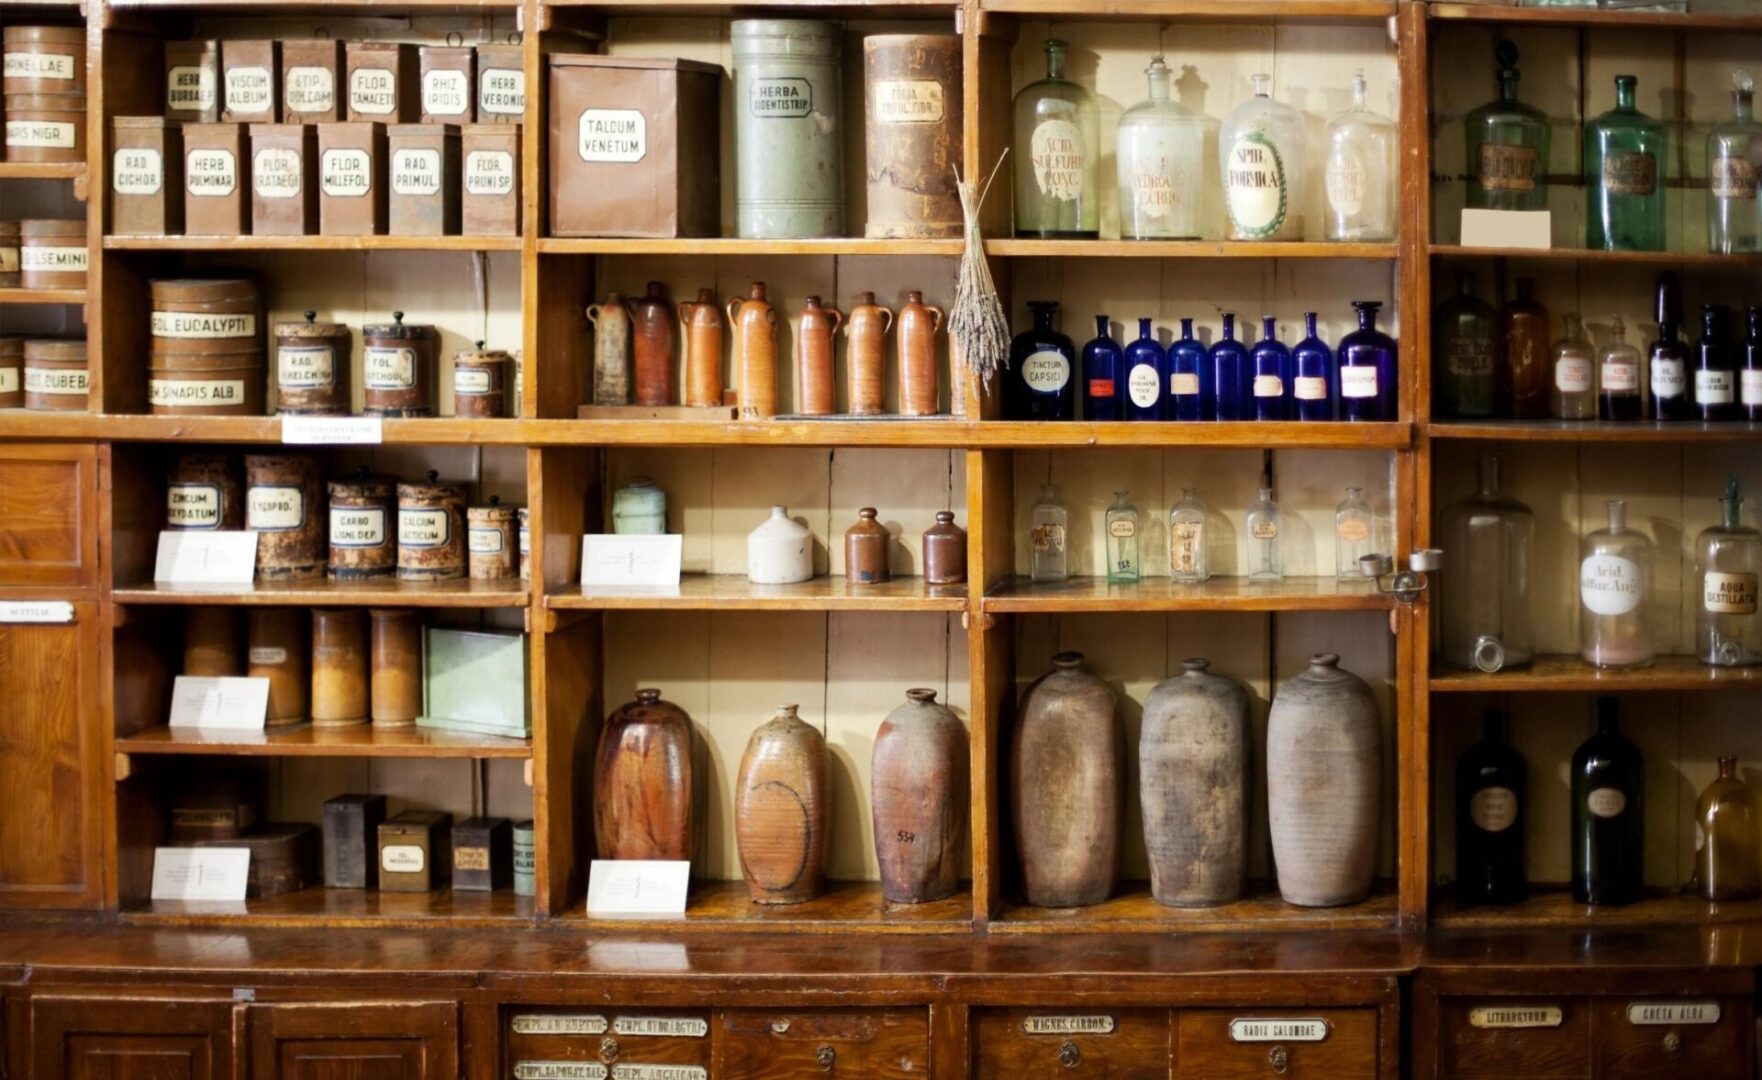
[(1703, 1038), (48, 514), (81, 1038), (794, 1044), (381, 1041), (1115, 1044), (1236, 1044), (536, 1039)]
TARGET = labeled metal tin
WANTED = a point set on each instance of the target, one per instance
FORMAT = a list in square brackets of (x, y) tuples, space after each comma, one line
[(217, 180), (205, 492), (491, 541), (250, 81), (351, 179), (361, 522), (206, 383), (146, 176), (788, 128), (431, 530), (489, 180), (192, 81), (383, 82), (207, 348), (44, 60), (56, 376), (311, 90), (398, 368), (284, 507), (312, 367), (339, 667), (9, 275), (52, 253), (11, 372), (46, 128), (501, 84), (284, 180), (423, 177), (448, 83), (912, 102), (480, 380)]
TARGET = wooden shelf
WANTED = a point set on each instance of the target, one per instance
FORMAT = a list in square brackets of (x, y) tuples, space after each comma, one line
[(727, 245), (1020, 595), (1591, 17), (1203, 10), (1185, 249), (1568, 431), (733, 592), (1553, 906), (311, 244), (846, 906), (1586, 255), (1033, 434), (43, 170), (42, 296), (1558, 671), (374, 592), (340, 908), (115, 427), (364, 740), (1133, 910)]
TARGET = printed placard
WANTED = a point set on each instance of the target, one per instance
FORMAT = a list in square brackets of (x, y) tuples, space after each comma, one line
[(501, 91), (43, 133), (615, 135), (331, 430), (346, 172), (1673, 1012), (373, 91), (489, 173), (559, 1070), (189, 88), (36, 611), (137, 170), (215, 557), (1278, 1029), (39, 65), (638, 886), (205, 873), (185, 324), (907, 101), (1515, 1016), (558, 1024), (1508, 228), (275, 172), (416, 172), (627, 1070), (642, 561), (225, 704), (445, 93), (1067, 1025), (248, 91), (687, 1027), (310, 89), (211, 173)]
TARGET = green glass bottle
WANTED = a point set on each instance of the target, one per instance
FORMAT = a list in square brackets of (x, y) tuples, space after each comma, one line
[(1507, 146), (1462, 354), (1057, 151), (1624, 176)]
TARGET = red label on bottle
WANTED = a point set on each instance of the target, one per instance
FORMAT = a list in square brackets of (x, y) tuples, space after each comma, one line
[(1101, 388)]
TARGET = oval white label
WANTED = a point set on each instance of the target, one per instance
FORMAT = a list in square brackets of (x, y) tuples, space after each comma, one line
[(357, 526), (275, 507), (137, 170), (472, 381), (484, 541), (416, 172), (1610, 584), (1493, 809), (1606, 802), (558, 1024), (1572, 375), (189, 88), (1067, 1025), (1673, 1012), (1255, 186), (444, 93), (1046, 370), (1514, 1016), (1668, 378), (1275, 1029), (1142, 385), (1621, 376)]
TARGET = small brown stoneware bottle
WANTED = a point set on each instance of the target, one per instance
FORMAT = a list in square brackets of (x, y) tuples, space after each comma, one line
[(865, 549), (916, 340), (653, 338), (703, 349)]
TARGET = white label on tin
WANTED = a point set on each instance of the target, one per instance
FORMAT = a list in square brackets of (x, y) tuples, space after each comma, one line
[(1046, 370), (1057, 151), (1310, 388), (1750, 386), (1358, 381), (275, 172), (357, 526), (1606, 802), (40, 133), (184, 324), (1713, 387), (1184, 383), (501, 91), (617, 135), (525, 540), (1673, 1012), (1493, 809), (346, 172), (907, 101), (1142, 386), (558, 1024), (274, 507), (1572, 375), (137, 170), (1515, 1016), (780, 97), (1067, 1025), (489, 172), (305, 367), (211, 172), (192, 506), (54, 381), (416, 172), (471, 381), (659, 1072), (1668, 378), (247, 90), (196, 393), (402, 858), (70, 260), (189, 88), (1728, 594), (1610, 584), (484, 541), (373, 91), (1279, 1030), (9, 381), (693, 1027), (1269, 386), (423, 528), (268, 655), (445, 93), (310, 90), (559, 1070), (385, 368), (39, 65)]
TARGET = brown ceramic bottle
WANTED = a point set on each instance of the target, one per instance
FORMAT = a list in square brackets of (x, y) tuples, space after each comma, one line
[(780, 810), (642, 782), (916, 340), (865, 359), (918, 782), (813, 358), (611, 350), (865, 549), (653, 337), (1065, 786), (703, 350), (755, 353), (945, 551)]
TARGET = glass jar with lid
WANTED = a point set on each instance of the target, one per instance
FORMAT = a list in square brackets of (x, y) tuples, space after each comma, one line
[(1159, 149), (1358, 177), (1057, 151), (1261, 152)]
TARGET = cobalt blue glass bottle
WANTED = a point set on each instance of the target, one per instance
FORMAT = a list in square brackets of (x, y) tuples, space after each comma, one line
[(1367, 368), (1312, 380), (1190, 391), (1270, 363), (1229, 374), (1042, 362), (1146, 374), (1102, 366)]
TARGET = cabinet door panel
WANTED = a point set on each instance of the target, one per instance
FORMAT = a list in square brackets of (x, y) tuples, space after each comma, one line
[(797, 1044), (1236, 1044), (379, 1041), (1044, 1043), (130, 1039), (48, 515), (1557, 1051), (1701, 1051)]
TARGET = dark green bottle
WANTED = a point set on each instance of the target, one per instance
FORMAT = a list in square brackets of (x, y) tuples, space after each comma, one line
[(1608, 818), (1490, 803), (1462, 354), (1624, 176)]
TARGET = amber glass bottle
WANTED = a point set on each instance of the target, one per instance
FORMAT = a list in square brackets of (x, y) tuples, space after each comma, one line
[(1524, 370), (1728, 838)]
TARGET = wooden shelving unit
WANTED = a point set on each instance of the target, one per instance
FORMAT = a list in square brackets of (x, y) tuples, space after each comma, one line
[(373, 592), (733, 592), (311, 244), (1593, 431), (1134, 911), (364, 741), (1553, 672), (345, 908), (1553, 906), (42, 296), (1021, 596), (1597, 257), (1594, 18), (723, 907)]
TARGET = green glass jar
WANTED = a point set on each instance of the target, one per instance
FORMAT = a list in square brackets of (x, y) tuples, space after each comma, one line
[(1057, 153), (1507, 146), (1624, 176)]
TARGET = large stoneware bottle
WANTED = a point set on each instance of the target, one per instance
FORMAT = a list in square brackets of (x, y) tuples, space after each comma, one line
[(1193, 781), (918, 776), (1324, 760), (755, 353), (611, 350), (780, 809), (1065, 782), (653, 339), (642, 782)]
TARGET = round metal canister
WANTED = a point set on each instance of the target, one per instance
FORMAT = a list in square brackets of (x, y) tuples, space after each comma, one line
[(398, 368), (207, 350), (312, 367), (11, 372), (788, 128), (480, 382), (912, 99), (9, 275), (55, 374), (44, 60), (431, 530), (283, 506), (52, 252), (525, 531), (361, 510), (339, 667), (46, 128), (492, 540), (205, 492)]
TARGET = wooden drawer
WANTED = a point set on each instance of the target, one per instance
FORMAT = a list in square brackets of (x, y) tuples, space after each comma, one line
[(1536, 1052), (1664, 1043), (784, 1043), (1028, 1044), (542, 1042), (1225, 1044), (48, 515)]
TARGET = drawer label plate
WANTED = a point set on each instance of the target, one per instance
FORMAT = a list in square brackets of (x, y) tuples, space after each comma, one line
[(1673, 1012), (660, 1072), (1515, 1016), (1067, 1025), (558, 1024), (559, 1070), (1278, 1029), (694, 1027)]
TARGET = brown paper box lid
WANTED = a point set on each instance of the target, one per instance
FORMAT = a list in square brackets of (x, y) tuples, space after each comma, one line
[(646, 63)]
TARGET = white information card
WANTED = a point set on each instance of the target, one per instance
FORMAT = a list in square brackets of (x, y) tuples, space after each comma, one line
[(227, 704), (215, 873), (206, 558), (637, 887), (331, 430), (1508, 229), (647, 561)]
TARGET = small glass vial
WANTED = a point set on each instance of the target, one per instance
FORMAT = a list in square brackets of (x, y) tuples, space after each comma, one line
[(1266, 561), (1728, 564), (1573, 395), (1360, 171), (1047, 535), (1354, 535), (1618, 376), (1187, 537), (1614, 579), (1122, 541)]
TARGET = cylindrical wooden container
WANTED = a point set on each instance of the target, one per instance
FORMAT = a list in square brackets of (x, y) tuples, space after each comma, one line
[(431, 530), (55, 374), (52, 253), (653, 338), (398, 368), (339, 667), (703, 349), (278, 652), (11, 372), (46, 128), (480, 382), (524, 529), (207, 357), (866, 358), (814, 380), (205, 491), (865, 549), (284, 506), (214, 642), (397, 666), (146, 176), (912, 98), (360, 527), (755, 353), (916, 339), (9, 275), (492, 540), (44, 60), (312, 367)]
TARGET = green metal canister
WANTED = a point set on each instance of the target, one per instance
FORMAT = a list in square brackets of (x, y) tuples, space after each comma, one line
[(788, 133)]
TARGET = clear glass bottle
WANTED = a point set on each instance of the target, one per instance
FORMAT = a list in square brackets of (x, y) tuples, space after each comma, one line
[(1122, 541), (1369, 365), (1312, 374), (1355, 535), (1483, 598), (1260, 147), (1228, 361), (1270, 365), (1507, 146), (1103, 365), (1716, 391), (1618, 376), (1058, 149), (1266, 559), (1734, 162), (1159, 149), (1573, 393), (1463, 348), (1190, 391), (1048, 538), (1614, 580), (1523, 371), (1728, 565), (1668, 359), (1042, 366), (1359, 177), (1728, 838), (1187, 539), (1624, 176)]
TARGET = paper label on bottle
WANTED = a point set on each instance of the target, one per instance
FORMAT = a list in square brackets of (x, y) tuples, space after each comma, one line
[(1345, 182), (247, 90), (1047, 538), (1143, 385), (618, 135), (189, 88), (192, 325), (1045, 370), (525, 540), (9, 381), (384, 368), (780, 98), (1310, 388), (1515, 1016), (44, 260), (416, 172), (907, 101), (39, 65), (1067, 1025), (1186, 546), (1621, 378), (40, 133), (471, 381), (1269, 386), (1669, 378), (1183, 383), (137, 170), (558, 1024), (484, 541), (1572, 375), (1713, 387), (275, 173), (275, 507), (678, 1027), (1101, 388), (1610, 584), (1264, 530), (192, 506), (1353, 530), (196, 393), (1733, 178), (1728, 594), (55, 381), (1057, 153), (402, 858), (423, 528), (310, 90), (211, 173), (1468, 357), (268, 655), (1750, 386), (357, 526), (305, 367), (1122, 527), (489, 172), (445, 93), (501, 92), (559, 1070), (373, 91), (1493, 809), (1673, 1012), (1358, 381), (1606, 802), (1630, 172), (1269, 1029), (1507, 168), (346, 172), (1254, 181)]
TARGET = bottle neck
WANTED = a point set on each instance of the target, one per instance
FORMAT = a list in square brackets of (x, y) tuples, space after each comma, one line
[(1743, 107), (1489, 476), (1186, 329), (1043, 318), (1159, 82), (1624, 95), (1493, 726), (1309, 323), (1145, 333), (1229, 328), (1101, 327), (1508, 87), (1055, 63)]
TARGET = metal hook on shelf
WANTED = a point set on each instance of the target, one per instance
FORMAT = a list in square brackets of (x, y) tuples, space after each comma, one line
[(1404, 585)]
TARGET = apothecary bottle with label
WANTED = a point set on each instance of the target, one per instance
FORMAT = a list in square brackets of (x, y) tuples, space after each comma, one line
[(1624, 176), (1608, 818), (1261, 152), (1507, 146), (1187, 539), (1058, 149), (1048, 538), (1728, 838), (1159, 148), (1614, 581), (1312, 375), (1359, 175), (1191, 396), (1484, 587), (1463, 348), (1355, 535), (1716, 392), (1734, 162), (1573, 393), (1750, 369), (1103, 367), (1270, 370), (1667, 366), (1121, 523), (1618, 376), (1490, 804), (1146, 375), (1228, 361), (1266, 558), (1042, 364), (1728, 565), (1523, 372), (1368, 365)]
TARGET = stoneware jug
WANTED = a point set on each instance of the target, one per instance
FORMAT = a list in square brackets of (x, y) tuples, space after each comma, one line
[(918, 782), (813, 358), (1324, 761), (865, 549), (780, 809), (945, 551), (865, 356), (643, 782), (653, 337), (755, 353), (611, 351), (916, 340), (1065, 786), (780, 551), (702, 319), (1193, 781)]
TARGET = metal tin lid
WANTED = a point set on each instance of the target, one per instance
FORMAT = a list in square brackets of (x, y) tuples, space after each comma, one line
[(641, 63), (455, 53), (493, 514), (202, 290), (431, 490), (481, 357), (363, 485), (51, 227), (810, 37), (142, 123), (283, 131), (11, 348), (501, 55), (423, 131), (57, 35), (355, 48), (398, 329), (311, 329), (56, 350)]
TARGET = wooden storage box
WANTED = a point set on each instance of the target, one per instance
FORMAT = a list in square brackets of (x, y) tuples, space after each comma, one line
[(284, 179), (52, 253), (383, 82), (351, 179), (414, 851), (250, 81), (48, 128), (44, 60), (448, 83), (217, 810), (634, 146), (309, 81), (216, 180), (351, 841), (489, 186), (146, 176), (424, 180), (501, 84), (57, 376), (192, 81), (284, 857), (483, 854)]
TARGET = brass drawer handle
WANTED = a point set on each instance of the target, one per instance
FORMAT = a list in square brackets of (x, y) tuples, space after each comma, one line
[(1279, 1059), (1069, 1055), (1672, 1045), (825, 1057), (608, 1048)]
